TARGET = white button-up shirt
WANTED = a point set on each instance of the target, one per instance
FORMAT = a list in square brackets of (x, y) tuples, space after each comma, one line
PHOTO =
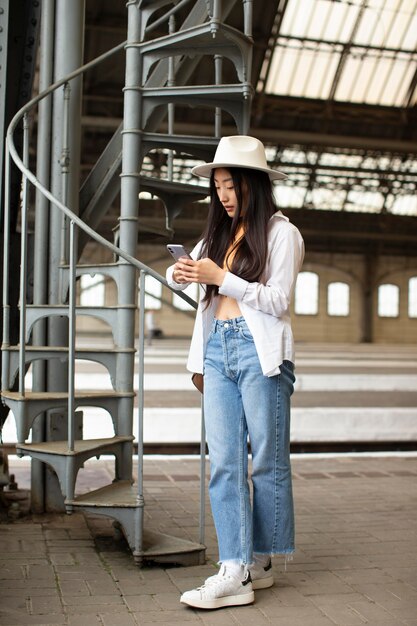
[(264, 305)]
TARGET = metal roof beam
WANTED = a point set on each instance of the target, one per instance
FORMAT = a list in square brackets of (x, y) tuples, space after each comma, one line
[(346, 51)]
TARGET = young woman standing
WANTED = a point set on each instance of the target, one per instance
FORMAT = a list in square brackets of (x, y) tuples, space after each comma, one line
[(247, 262)]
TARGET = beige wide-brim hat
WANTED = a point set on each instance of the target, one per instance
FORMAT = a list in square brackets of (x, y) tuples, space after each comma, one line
[(239, 151)]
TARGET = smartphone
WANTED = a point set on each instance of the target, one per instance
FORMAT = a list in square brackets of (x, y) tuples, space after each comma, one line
[(177, 251)]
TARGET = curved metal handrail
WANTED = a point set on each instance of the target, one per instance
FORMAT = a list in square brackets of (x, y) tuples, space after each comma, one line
[(11, 148)]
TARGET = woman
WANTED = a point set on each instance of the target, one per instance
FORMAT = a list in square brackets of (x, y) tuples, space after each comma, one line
[(247, 261)]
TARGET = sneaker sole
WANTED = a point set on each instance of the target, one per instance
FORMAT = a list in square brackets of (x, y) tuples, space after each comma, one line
[(218, 603), (263, 583)]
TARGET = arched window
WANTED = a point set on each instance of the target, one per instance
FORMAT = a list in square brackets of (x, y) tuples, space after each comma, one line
[(388, 300), (412, 297), (92, 290), (192, 292), (338, 295), (153, 289), (307, 294)]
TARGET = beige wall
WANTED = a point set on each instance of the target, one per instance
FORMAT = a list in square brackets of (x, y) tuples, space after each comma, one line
[(401, 329), (352, 269)]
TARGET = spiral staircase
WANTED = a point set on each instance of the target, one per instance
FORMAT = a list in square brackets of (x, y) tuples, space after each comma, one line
[(156, 70)]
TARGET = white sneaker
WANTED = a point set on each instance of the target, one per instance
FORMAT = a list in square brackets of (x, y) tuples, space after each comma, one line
[(262, 577), (222, 589)]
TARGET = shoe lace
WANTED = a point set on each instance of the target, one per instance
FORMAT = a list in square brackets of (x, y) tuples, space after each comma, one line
[(217, 579)]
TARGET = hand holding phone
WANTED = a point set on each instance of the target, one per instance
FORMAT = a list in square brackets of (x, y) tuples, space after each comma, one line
[(177, 251)]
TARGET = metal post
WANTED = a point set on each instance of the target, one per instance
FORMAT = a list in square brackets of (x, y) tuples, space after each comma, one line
[(68, 56), (247, 17), (171, 106), (218, 67), (40, 270), (215, 17), (141, 366), (129, 201), (4, 35), (65, 170), (23, 260), (6, 244), (71, 347)]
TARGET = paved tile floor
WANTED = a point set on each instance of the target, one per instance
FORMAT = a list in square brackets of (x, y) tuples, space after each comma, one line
[(356, 559)]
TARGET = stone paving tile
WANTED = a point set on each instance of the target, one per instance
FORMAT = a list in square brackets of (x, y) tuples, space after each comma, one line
[(167, 617), (87, 620), (250, 615), (356, 559), (43, 605), (123, 619), (224, 617), (21, 619)]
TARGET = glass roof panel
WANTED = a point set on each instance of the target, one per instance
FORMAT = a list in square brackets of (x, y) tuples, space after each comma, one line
[(321, 19), (304, 71), (375, 49), (375, 79)]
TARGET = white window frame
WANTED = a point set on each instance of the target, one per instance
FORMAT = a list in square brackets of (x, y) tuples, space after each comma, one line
[(412, 297), (338, 299), (388, 300), (306, 297)]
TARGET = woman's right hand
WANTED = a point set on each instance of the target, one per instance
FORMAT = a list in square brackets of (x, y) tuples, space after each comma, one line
[(177, 274)]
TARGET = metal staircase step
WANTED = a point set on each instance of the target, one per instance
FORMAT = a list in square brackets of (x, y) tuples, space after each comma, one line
[(225, 41), (122, 502), (123, 494), (107, 314), (173, 195), (66, 463), (196, 145), (235, 98), (161, 185), (111, 270), (107, 269), (81, 446), (104, 356), (26, 407)]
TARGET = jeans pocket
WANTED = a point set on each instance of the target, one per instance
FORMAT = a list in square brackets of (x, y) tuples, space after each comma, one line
[(246, 334)]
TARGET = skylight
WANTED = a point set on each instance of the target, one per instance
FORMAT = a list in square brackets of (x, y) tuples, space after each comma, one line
[(362, 51)]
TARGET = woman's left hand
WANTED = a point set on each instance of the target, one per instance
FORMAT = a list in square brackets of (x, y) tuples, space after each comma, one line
[(203, 271)]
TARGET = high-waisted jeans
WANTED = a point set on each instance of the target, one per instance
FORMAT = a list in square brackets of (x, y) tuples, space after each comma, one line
[(239, 401)]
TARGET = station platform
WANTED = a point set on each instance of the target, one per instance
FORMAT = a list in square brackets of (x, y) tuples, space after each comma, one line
[(355, 560)]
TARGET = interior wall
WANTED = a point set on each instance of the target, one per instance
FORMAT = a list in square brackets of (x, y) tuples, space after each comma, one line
[(322, 327)]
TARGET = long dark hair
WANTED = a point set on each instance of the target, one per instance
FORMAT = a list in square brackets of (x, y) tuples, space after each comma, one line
[(250, 252)]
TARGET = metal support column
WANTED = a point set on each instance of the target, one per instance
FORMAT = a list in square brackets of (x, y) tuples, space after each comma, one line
[(368, 299), (4, 29), (40, 278), (69, 43), (129, 198)]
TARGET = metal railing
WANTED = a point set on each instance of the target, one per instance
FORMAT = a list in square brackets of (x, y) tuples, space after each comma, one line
[(74, 222)]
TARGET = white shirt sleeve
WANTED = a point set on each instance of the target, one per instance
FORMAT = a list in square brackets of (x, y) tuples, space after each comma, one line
[(284, 263)]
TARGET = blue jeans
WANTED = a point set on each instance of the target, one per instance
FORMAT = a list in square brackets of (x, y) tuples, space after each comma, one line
[(239, 401)]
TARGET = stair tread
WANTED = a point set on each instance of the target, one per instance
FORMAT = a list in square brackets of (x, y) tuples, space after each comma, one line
[(92, 307), (80, 445), (172, 185), (121, 493), (65, 349), (165, 138), (202, 33), (223, 89), (91, 265), (63, 395)]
